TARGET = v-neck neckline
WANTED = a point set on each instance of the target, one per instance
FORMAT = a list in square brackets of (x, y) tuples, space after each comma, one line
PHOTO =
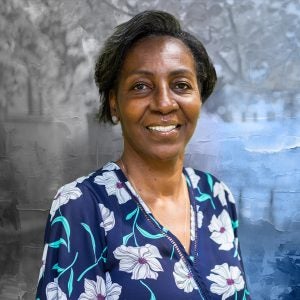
[(154, 221)]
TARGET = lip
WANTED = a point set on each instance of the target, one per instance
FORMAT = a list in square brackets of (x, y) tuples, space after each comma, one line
[(163, 130), (164, 122)]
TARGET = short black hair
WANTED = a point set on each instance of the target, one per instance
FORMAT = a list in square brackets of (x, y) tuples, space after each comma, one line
[(144, 24)]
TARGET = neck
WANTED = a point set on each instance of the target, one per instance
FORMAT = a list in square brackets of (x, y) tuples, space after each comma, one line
[(164, 178)]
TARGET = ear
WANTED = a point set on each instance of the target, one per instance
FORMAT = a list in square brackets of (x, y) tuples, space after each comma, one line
[(113, 104)]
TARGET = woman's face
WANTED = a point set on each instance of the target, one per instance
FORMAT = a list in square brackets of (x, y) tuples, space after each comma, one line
[(157, 99)]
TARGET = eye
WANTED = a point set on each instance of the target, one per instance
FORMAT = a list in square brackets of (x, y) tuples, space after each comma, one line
[(182, 86), (140, 86)]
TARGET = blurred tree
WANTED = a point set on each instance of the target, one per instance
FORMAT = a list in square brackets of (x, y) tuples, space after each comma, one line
[(47, 49), (260, 55), (39, 55)]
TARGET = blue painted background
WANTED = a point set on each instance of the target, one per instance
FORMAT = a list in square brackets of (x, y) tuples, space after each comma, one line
[(248, 133)]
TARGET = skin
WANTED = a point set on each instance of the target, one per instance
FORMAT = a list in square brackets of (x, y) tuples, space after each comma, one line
[(158, 87)]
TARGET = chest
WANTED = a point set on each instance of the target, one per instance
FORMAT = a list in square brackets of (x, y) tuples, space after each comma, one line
[(177, 220)]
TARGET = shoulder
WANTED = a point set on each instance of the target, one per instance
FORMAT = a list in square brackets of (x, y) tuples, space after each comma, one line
[(211, 185), (84, 193)]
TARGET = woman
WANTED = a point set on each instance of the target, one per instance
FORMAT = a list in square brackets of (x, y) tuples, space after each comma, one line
[(144, 227)]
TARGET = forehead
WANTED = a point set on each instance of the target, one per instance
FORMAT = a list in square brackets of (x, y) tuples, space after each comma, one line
[(158, 53)]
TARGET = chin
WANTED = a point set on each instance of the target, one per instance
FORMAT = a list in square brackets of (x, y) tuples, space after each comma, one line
[(166, 154)]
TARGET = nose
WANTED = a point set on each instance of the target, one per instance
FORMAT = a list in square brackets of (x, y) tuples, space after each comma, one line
[(163, 101)]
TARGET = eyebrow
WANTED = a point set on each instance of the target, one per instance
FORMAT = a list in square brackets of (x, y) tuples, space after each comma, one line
[(182, 71), (140, 72), (172, 73)]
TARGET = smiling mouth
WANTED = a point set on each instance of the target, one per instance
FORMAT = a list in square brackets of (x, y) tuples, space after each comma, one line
[(167, 128)]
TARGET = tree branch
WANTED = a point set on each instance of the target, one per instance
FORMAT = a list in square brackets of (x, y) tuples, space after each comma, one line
[(117, 8), (224, 61), (236, 45)]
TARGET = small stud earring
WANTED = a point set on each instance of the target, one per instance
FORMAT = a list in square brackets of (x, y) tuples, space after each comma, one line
[(115, 119)]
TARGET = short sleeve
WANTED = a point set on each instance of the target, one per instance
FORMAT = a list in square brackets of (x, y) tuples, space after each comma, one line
[(74, 254), (230, 203), (232, 211)]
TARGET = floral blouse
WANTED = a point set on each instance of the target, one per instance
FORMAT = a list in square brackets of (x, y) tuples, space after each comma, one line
[(102, 242)]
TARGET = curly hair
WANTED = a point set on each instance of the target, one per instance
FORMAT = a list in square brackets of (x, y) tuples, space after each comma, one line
[(144, 24)]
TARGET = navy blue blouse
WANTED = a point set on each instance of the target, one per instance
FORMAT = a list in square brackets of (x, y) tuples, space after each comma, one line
[(102, 242)]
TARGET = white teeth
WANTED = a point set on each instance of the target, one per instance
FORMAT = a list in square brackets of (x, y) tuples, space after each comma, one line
[(162, 128)]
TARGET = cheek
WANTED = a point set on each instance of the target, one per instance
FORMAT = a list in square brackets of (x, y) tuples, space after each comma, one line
[(125, 107), (132, 108), (194, 109), (131, 112)]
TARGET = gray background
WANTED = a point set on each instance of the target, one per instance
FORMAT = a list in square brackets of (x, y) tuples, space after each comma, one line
[(248, 133)]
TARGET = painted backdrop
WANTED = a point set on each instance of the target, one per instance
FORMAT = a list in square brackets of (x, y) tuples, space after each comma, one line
[(248, 133)]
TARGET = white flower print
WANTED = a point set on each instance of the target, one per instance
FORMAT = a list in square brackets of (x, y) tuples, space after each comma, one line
[(183, 278), (113, 186), (219, 190), (141, 261), (81, 179), (193, 177), (113, 290), (133, 191), (54, 292), (236, 245), (110, 167), (42, 269), (64, 195), (226, 280), (199, 216), (193, 221), (222, 232), (108, 218), (100, 290)]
